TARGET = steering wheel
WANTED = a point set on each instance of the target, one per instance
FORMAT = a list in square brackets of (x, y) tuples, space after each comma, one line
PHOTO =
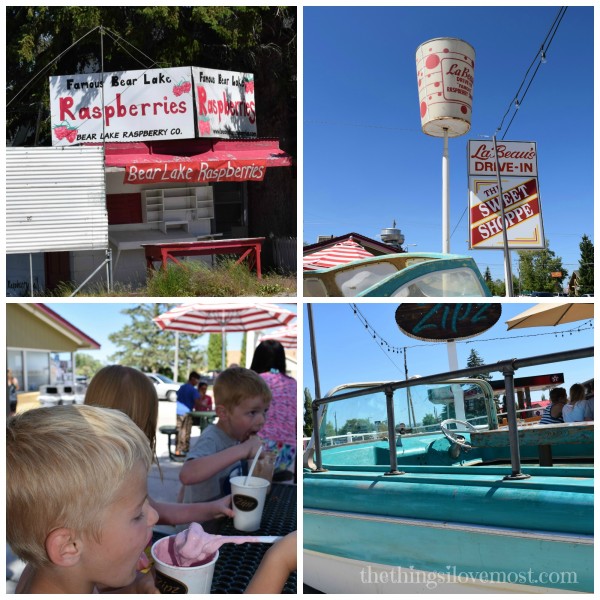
[(454, 437)]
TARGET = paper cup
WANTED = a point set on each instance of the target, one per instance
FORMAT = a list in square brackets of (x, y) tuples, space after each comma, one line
[(248, 502), (182, 580)]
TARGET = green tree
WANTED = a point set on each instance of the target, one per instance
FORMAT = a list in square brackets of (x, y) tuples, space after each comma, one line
[(429, 419), (243, 352), (86, 365), (308, 419), (357, 426), (143, 345), (475, 360), (586, 266), (536, 268), (215, 352)]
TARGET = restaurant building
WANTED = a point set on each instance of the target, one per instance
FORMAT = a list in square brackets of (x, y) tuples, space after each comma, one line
[(138, 158)]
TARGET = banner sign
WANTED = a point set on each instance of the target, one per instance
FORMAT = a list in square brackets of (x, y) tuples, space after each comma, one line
[(196, 171), (520, 196), (444, 322), (153, 104), (225, 105)]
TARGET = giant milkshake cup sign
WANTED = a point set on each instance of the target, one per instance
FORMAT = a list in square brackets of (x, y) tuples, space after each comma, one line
[(445, 75)]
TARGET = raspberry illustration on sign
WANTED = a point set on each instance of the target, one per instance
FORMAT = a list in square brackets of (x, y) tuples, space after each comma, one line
[(183, 87), (65, 130)]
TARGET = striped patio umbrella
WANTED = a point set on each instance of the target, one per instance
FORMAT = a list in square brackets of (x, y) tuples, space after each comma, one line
[(338, 254), (286, 336), (207, 317)]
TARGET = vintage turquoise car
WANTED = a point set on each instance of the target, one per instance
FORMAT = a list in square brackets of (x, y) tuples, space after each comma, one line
[(428, 494), (408, 274)]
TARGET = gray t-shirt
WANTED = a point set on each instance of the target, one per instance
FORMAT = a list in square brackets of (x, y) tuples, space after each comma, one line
[(212, 440)]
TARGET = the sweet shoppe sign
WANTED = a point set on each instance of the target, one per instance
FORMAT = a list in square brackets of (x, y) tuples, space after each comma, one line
[(156, 104)]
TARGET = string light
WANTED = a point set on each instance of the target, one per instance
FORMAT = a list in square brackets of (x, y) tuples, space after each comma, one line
[(586, 326)]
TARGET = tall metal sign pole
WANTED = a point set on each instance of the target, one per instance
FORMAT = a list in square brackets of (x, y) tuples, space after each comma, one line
[(445, 76), (507, 266)]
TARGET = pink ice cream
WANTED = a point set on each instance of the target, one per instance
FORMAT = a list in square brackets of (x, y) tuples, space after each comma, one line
[(194, 547)]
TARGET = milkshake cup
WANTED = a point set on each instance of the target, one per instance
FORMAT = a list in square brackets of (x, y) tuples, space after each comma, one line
[(181, 580), (248, 501)]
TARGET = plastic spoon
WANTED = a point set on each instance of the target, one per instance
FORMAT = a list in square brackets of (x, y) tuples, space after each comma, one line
[(252, 466)]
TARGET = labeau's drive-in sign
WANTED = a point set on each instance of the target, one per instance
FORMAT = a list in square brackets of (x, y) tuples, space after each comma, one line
[(155, 104), (520, 196)]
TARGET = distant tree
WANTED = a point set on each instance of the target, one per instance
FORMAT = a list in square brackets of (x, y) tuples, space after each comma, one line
[(475, 360), (243, 352), (215, 350), (308, 420), (143, 345), (536, 268), (487, 277), (429, 419), (586, 266), (86, 365), (356, 426)]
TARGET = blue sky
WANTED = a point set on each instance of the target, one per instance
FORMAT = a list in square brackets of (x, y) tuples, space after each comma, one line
[(347, 352), (366, 161), (99, 320)]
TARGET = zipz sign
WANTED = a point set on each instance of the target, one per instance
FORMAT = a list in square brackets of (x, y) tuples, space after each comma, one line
[(444, 322)]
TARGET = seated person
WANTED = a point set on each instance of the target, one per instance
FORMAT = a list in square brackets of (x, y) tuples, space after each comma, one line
[(77, 500), (204, 402), (553, 412), (241, 401), (579, 407), (130, 391)]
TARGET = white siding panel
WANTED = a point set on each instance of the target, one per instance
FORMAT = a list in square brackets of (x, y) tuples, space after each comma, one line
[(55, 199)]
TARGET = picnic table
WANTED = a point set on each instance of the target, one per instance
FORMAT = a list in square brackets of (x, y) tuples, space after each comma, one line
[(247, 248)]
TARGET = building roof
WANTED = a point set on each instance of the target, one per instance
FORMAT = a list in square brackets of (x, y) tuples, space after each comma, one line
[(366, 242)]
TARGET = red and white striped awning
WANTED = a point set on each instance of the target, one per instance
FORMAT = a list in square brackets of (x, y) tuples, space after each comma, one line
[(204, 317), (338, 254)]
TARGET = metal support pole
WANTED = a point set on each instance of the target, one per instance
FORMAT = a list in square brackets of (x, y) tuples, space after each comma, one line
[(389, 401), (513, 433), (315, 408), (445, 196), (30, 275), (507, 266), (176, 362), (109, 271)]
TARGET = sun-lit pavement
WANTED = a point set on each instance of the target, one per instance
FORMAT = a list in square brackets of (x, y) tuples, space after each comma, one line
[(165, 489)]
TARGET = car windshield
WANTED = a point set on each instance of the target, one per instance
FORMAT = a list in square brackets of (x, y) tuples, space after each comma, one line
[(448, 283), (419, 409), (163, 378)]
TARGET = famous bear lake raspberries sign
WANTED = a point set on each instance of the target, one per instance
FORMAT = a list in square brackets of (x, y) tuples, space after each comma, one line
[(155, 104)]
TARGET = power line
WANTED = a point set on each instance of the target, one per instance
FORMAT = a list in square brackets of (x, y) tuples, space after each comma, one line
[(384, 345), (44, 69), (541, 55)]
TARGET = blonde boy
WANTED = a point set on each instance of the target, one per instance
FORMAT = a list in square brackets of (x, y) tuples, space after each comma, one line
[(242, 399), (77, 506)]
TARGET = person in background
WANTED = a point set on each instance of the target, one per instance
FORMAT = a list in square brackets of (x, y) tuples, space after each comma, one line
[(76, 500), (279, 431), (186, 397), (553, 412), (241, 400), (579, 407), (12, 387), (204, 402), (130, 391)]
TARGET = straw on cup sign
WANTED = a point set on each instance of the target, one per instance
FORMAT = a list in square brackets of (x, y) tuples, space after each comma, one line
[(248, 501)]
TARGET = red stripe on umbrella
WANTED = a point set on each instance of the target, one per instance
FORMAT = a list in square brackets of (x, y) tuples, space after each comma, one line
[(338, 254)]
